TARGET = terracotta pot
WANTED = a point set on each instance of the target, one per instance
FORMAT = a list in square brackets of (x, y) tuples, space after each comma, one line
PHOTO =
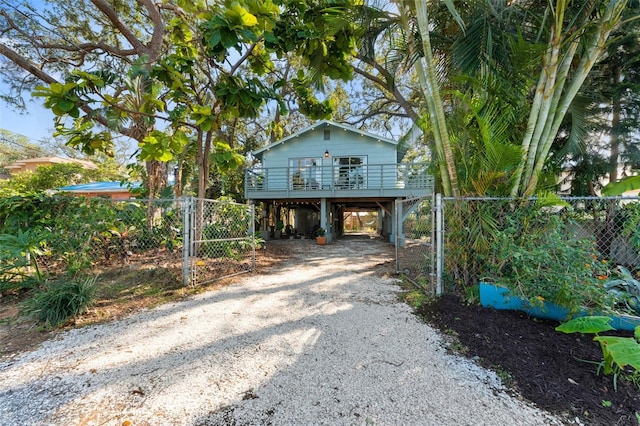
[(321, 240)]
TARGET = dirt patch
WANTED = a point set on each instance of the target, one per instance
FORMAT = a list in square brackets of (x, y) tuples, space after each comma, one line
[(556, 371), (121, 291)]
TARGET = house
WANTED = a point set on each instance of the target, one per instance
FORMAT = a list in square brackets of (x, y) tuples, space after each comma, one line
[(33, 163), (314, 177), (111, 190)]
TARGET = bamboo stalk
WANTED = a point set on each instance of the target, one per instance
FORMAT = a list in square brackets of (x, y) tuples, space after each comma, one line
[(595, 47), (437, 115)]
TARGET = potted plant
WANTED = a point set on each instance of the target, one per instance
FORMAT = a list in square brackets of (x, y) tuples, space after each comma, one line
[(321, 238)]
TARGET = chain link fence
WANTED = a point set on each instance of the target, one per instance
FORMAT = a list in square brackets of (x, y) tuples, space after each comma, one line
[(479, 232), (56, 235), (415, 241), (221, 240), (98, 234)]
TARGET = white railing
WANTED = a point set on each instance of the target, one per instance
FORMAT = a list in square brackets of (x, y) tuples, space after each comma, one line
[(351, 177)]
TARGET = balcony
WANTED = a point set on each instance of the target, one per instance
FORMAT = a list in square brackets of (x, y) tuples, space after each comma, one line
[(353, 181)]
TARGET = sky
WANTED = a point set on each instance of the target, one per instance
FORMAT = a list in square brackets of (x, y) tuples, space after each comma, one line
[(37, 124)]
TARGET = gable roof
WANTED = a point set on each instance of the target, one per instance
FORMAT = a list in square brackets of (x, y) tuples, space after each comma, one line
[(326, 123), (20, 164)]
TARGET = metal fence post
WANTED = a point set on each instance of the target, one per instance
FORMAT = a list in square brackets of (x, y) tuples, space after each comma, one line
[(395, 239), (252, 230), (186, 238), (439, 244)]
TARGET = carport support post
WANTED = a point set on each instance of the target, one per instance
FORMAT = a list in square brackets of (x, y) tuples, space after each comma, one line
[(323, 218)]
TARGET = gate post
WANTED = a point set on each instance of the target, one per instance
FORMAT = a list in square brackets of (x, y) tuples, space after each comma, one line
[(439, 244)]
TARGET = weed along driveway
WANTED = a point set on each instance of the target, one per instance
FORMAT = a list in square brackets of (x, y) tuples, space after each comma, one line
[(321, 338)]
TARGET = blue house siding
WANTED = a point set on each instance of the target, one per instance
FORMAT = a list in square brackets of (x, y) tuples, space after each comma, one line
[(329, 147), (330, 168)]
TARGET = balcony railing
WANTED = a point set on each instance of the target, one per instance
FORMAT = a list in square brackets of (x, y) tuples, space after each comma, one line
[(372, 178)]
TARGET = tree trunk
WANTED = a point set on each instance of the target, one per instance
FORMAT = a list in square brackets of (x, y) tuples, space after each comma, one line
[(615, 128), (430, 87)]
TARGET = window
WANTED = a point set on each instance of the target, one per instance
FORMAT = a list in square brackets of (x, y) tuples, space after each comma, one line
[(305, 173), (327, 134), (350, 172)]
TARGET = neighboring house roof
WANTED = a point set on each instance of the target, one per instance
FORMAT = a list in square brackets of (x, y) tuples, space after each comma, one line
[(99, 187), (326, 123), (31, 163)]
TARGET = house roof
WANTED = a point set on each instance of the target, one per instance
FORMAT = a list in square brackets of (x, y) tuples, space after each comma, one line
[(51, 160), (326, 123), (99, 187)]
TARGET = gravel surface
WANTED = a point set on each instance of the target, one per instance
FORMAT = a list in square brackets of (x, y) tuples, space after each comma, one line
[(319, 340)]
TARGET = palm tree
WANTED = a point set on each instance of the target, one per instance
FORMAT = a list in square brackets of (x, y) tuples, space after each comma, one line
[(525, 62)]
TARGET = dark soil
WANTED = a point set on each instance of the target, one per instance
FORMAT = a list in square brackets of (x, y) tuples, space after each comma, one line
[(555, 371)]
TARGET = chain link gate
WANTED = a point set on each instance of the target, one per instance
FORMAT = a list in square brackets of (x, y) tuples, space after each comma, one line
[(219, 239), (416, 240)]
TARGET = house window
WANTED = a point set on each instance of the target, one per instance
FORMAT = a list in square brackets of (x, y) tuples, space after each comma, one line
[(350, 172), (305, 173), (327, 134)]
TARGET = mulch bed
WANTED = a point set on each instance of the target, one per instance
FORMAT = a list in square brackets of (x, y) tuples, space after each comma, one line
[(556, 371)]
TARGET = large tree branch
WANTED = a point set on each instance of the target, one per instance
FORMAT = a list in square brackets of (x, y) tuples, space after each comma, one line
[(82, 48), (123, 28), (389, 86), (42, 75), (157, 38), (26, 64)]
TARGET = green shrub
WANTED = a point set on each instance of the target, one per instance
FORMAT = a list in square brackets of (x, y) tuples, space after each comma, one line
[(61, 300), (631, 224), (625, 289), (538, 257), (19, 256)]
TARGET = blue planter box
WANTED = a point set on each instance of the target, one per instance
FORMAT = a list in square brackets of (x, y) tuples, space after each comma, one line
[(492, 296)]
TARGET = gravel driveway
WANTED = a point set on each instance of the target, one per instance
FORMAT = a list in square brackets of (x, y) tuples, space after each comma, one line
[(318, 340)]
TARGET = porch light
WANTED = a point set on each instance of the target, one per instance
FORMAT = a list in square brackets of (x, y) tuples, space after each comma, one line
[(326, 154)]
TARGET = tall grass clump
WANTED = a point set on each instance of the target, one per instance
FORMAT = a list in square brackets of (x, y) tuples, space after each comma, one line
[(61, 300)]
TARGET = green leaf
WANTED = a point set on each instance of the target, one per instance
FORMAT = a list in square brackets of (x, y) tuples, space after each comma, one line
[(75, 113), (239, 16), (214, 38), (622, 350), (66, 105), (166, 156), (56, 110), (613, 189), (589, 324), (249, 35)]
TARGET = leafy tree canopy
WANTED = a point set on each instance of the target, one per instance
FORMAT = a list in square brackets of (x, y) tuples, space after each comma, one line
[(52, 177), (181, 68)]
